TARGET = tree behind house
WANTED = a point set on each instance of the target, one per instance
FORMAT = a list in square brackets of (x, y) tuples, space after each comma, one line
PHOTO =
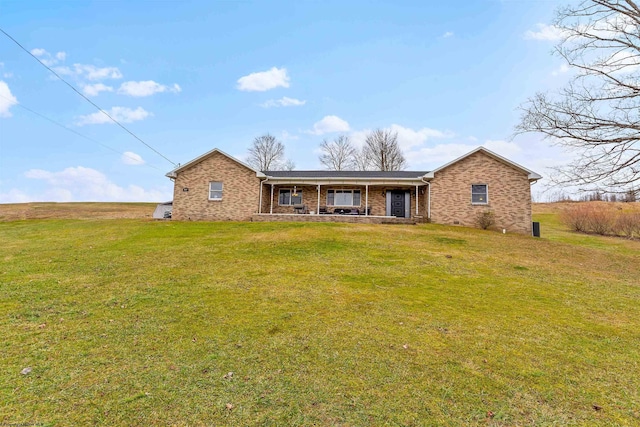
[(267, 153), (339, 154), (382, 151)]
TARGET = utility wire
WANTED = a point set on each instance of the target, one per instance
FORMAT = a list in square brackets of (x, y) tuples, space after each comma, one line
[(86, 99), (78, 133)]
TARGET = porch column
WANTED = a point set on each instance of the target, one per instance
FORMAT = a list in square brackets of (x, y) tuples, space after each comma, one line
[(366, 200), (271, 204), (318, 211), (260, 205), (416, 199)]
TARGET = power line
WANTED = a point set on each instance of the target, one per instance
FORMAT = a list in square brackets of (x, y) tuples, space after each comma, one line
[(78, 133), (86, 99)]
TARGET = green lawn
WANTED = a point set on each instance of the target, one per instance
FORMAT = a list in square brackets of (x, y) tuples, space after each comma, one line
[(135, 322)]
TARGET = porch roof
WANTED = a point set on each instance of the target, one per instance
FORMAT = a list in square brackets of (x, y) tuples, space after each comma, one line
[(346, 174), (319, 177)]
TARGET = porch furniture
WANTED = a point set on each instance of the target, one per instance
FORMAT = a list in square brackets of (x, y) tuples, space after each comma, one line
[(368, 211), (346, 211), (323, 211), (300, 209)]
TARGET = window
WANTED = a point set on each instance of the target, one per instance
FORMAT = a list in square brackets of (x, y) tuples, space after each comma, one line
[(479, 194), (288, 197), (215, 190), (343, 198)]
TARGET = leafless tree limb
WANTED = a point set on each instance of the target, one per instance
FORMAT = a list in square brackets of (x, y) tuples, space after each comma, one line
[(339, 154), (597, 116), (382, 152), (267, 153)]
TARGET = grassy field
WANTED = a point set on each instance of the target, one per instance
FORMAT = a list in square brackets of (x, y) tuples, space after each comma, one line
[(141, 322)]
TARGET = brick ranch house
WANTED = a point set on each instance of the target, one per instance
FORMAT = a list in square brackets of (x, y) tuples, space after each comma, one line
[(217, 186)]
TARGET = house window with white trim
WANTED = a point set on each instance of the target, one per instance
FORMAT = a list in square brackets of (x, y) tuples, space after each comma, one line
[(479, 194), (343, 198), (215, 190), (289, 197)]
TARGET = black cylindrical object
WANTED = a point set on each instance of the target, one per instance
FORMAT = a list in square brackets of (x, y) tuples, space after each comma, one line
[(536, 229)]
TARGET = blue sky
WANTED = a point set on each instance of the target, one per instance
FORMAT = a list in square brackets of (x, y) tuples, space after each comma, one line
[(187, 77)]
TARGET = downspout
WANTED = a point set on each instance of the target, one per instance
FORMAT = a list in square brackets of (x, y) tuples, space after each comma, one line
[(429, 198)]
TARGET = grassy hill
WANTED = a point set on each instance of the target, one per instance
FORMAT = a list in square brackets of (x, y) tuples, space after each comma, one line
[(141, 322)]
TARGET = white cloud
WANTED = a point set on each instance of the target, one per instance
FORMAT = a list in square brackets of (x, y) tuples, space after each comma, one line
[(7, 100), (504, 148), (95, 89), (545, 32), (264, 80), (15, 196), (38, 52), (84, 184), (622, 62), (441, 154), (48, 59), (283, 102), (330, 124), (564, 68), (146, 88), (447, 34), (121, 114), (286, 136), (89, 72), (131, 158), (409, 138)]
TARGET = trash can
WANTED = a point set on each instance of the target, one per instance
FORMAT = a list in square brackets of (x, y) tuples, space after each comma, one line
[(536, 229)]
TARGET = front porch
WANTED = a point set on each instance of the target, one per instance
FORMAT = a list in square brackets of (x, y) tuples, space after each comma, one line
[(387, 200), (352, 219)]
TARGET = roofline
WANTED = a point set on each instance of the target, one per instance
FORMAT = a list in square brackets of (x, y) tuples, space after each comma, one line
[(343, 178), (533, 176), (174, 172), (346, 181)]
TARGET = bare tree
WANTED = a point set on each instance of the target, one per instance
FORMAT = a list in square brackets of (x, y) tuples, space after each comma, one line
[(382, 149), (266, 153), (339, 154), (361, 159), (597, 115), (288, 165)]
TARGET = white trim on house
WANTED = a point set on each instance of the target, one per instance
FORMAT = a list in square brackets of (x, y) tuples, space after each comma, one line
[(346, 181), (221, 191), (352, 190), (486, 186), (290, 196)]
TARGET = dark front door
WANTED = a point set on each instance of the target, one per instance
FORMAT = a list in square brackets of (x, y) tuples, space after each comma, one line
[(397, 203)]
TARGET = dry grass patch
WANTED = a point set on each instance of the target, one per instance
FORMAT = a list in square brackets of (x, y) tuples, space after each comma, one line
[(80, 210)]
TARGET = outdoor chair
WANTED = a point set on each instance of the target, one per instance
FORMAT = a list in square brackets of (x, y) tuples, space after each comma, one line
[(368, 211), (300, 209), (324, 211)]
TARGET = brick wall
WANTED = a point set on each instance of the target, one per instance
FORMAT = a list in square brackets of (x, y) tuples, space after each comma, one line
[(509, 194), (240, 191)]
